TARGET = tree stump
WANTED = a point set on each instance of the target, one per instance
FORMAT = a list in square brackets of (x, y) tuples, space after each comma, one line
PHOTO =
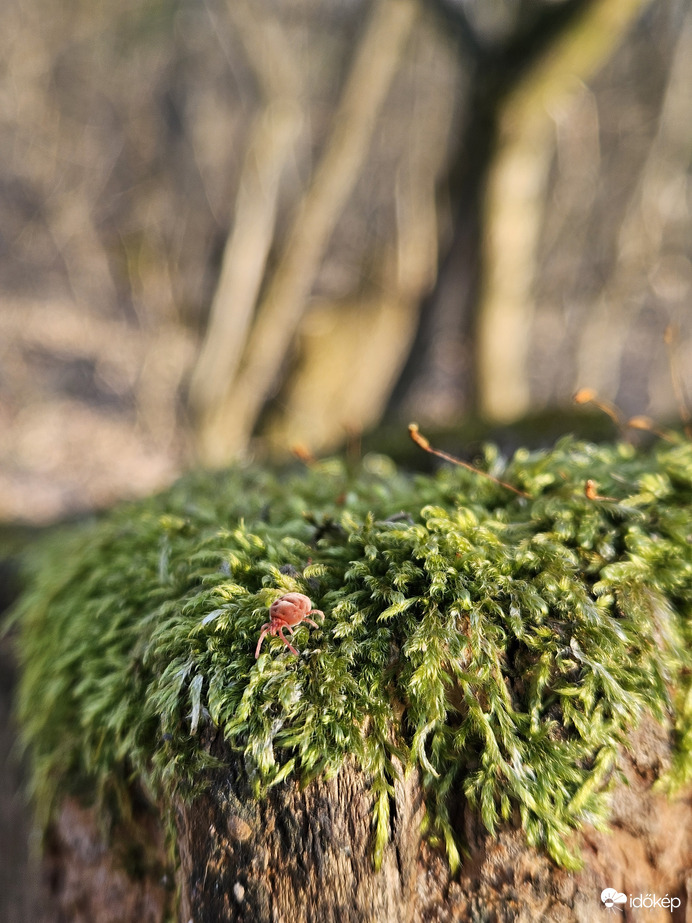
[(493, 659), (305, 855)]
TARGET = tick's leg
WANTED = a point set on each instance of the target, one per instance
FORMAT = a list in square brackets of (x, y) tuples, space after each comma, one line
[(310, 621), (283, 638), (261, 639)]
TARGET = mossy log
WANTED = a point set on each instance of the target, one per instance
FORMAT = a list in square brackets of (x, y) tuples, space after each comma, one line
[(493, 719)]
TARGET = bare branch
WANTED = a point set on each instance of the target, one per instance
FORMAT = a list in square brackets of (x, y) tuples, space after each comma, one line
[(227, 428), (273, 135), (421, 441)]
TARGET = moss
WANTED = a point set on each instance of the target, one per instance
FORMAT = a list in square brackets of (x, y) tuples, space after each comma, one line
[(505, 647)]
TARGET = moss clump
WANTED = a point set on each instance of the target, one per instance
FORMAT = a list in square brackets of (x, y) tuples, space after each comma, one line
[(504, 646)]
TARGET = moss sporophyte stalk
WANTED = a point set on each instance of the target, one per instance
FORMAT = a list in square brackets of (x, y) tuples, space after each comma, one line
[(504, 646)]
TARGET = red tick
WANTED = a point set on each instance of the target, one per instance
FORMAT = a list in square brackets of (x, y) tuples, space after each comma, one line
[(287, 612)]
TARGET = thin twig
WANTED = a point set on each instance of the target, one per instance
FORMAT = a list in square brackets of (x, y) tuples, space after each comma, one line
[(591, 492), (589, 396), (421, 441), (303, 454), (648, 425)]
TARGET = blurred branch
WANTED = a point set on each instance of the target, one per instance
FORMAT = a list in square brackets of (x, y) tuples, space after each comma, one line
[(515, 194), (352, 349), (226, 426), (272, 137)]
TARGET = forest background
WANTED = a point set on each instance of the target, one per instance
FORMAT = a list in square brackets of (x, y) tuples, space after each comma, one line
[(246, 228), (232, 228)]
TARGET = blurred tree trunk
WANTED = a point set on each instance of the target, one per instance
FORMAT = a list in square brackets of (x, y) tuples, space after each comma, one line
[(516, 192), (471, 353)]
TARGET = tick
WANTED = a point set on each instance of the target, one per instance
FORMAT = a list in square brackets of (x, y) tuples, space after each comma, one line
[(287, 612)]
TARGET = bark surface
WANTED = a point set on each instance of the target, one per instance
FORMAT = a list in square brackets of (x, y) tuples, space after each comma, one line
[(88, 877), (304, 855)]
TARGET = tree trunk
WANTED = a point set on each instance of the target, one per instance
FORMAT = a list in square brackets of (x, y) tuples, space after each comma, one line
[(304, 855)]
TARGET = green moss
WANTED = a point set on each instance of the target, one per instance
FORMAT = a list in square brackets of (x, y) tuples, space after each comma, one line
[(506, 647)]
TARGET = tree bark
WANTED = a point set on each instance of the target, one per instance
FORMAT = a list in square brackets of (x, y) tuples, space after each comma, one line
[(304, 855), (88, 877), (301, 855)]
